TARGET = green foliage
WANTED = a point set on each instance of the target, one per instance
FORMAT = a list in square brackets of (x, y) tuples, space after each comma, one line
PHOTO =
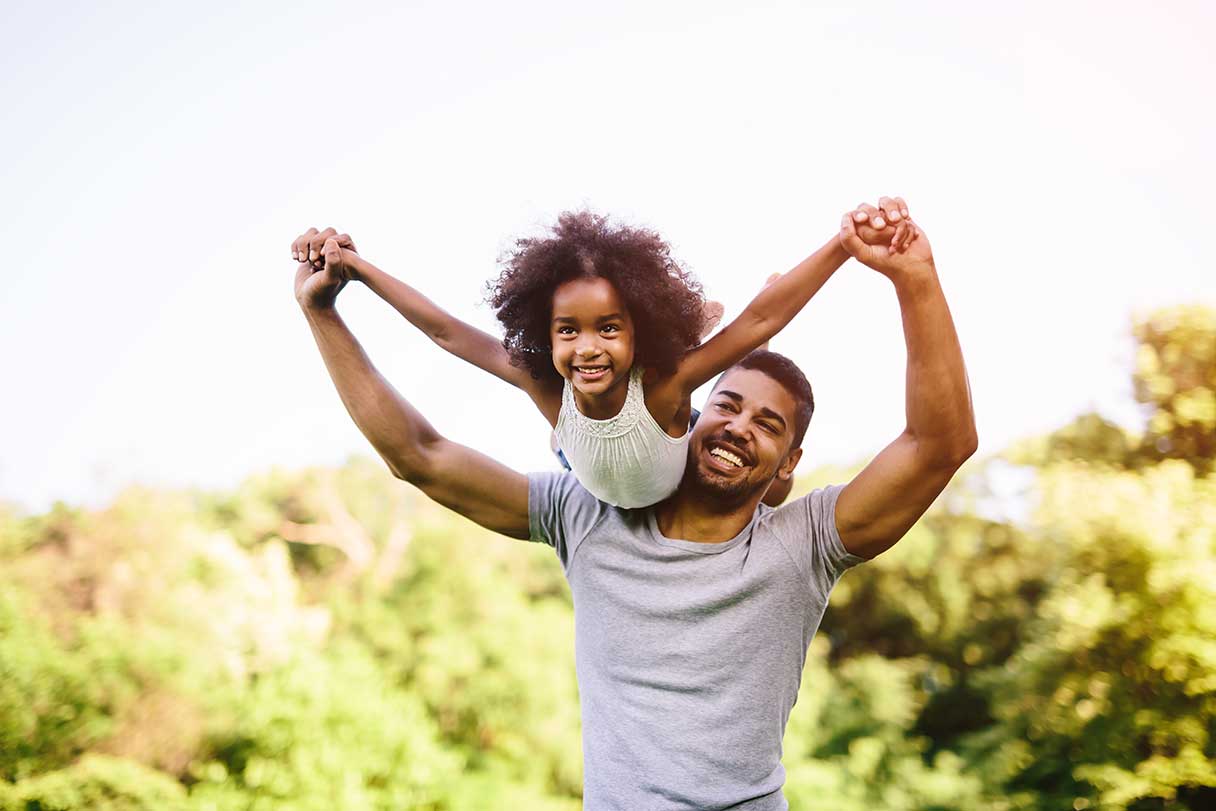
[(323, 731), (1116, 681), (1089, 438), (851, 744), (485, 640), (97, 783), (53, 702), (1175, 377)]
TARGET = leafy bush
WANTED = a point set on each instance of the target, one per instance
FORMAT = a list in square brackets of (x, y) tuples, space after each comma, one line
[(96, 783)]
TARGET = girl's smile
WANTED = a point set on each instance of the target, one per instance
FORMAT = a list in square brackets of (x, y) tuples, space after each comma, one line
[(590, 374)]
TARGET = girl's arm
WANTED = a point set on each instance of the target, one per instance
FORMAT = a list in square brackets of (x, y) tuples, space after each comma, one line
[(463, 340), (768, 313)]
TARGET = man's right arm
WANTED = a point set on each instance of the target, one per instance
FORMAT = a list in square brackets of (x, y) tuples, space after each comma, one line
[(457, 477)]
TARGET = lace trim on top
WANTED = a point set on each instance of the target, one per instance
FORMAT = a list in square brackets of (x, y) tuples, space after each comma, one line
[(621, 423)]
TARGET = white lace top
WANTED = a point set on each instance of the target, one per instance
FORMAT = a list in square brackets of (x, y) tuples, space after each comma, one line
[(626, 460)]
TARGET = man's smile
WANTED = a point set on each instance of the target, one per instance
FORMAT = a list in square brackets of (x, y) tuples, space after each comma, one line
[(726, 457)]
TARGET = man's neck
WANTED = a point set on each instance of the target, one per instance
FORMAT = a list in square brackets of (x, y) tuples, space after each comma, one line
[(697, 516)]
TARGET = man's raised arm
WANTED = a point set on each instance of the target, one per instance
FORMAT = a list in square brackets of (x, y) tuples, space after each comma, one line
[(460, 478), (893, 491)]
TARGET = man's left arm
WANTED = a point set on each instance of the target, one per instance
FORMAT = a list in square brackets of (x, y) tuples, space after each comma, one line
[(882, 503)]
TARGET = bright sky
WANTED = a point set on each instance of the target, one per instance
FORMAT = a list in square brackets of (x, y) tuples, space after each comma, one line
[(159, 159)]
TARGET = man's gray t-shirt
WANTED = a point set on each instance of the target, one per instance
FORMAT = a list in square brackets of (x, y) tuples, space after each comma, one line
[(689, 655)]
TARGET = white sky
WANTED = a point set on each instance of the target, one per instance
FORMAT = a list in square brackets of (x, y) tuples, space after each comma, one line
[(159, 159)]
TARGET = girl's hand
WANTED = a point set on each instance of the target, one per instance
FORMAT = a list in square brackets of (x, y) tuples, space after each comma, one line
[(889, 223), (885, 238)]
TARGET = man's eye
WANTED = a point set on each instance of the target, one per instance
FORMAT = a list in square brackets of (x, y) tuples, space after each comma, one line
[(768, 427), (725, 407)]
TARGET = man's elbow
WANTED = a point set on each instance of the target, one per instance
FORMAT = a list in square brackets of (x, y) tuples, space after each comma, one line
[(971, 446), (961, 447), (415, 465), (948, 453)]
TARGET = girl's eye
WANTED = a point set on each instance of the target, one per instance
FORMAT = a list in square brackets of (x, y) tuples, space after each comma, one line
[(610, 328), (565, 330)]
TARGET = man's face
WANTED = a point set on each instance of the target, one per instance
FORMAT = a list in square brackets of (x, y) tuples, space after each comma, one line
[(743, 437)]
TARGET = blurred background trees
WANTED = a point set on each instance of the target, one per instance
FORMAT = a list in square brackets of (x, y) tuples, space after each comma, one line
[(1044, 639)]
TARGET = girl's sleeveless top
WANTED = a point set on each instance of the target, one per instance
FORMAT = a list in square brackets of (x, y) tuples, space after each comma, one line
[(627, 460)]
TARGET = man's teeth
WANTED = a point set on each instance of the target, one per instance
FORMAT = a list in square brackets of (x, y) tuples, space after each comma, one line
[(727, 455)]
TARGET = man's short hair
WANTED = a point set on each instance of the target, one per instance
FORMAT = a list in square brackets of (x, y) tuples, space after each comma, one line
[(791, 378)]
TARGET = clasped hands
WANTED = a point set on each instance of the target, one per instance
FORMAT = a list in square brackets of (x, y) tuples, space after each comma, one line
[(327, 263), (885, 238)]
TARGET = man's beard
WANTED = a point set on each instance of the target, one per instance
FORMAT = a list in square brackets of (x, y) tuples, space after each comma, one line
[(728, 492)]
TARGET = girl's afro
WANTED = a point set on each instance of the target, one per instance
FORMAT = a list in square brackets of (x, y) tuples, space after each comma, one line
[(665, 301)]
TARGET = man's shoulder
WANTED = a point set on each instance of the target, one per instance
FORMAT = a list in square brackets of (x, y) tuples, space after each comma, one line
[(562, 513), (793, 515), (561, 497), (559, 486), (806, 527)]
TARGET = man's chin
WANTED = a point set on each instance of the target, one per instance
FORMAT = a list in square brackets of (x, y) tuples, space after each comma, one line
[(728, 490)]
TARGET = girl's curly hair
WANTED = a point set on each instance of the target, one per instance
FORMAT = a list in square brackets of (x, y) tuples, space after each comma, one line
[(665, 301)]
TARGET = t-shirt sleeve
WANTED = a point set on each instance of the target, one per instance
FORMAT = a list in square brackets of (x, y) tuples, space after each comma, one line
[(561, 512), (807, 527)]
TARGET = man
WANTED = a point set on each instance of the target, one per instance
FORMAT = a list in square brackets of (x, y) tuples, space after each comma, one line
[(693, 617)]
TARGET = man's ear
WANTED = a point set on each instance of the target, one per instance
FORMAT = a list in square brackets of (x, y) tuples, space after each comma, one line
[(786, 469)]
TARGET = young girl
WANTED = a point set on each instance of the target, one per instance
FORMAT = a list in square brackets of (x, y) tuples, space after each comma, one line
[(602, 331)]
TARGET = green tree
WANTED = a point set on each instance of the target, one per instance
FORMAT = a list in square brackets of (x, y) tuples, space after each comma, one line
[(1111, 698), (1175, 378), (326, 730)]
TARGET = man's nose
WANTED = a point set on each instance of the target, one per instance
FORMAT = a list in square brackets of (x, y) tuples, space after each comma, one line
[(737, 429)]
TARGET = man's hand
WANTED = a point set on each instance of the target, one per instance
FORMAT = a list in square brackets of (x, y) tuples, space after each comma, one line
[(324, 266), (317, 289), (309, 246), (885, 238)]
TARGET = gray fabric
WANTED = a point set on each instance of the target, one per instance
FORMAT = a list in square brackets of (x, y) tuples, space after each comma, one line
[(689, 655)]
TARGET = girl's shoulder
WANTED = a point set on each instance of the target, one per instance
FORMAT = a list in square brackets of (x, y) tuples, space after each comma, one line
[(655, 382), (666, 401), (652, 377)]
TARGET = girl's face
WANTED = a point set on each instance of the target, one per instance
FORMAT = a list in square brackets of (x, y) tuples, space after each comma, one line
[(592, 336)]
